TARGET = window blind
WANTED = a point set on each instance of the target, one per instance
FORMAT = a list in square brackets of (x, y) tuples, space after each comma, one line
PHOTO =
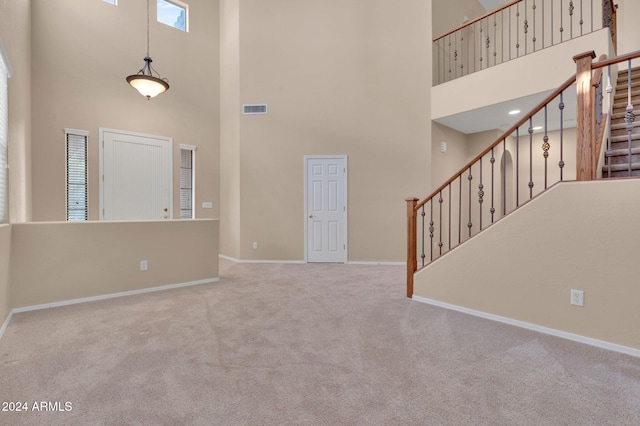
[(186, 184), (4, 129), (77, 208)]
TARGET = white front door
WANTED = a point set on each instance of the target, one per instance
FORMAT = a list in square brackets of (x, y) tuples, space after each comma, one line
[(326, 208), (136, 176)]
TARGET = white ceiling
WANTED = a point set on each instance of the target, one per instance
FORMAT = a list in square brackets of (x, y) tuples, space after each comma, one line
[(497, 116)]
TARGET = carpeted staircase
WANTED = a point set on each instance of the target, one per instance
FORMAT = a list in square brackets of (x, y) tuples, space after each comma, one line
[(618, 155)]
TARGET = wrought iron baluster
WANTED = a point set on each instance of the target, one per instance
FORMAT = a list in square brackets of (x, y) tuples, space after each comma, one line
[(526, 27), (449, 223), (581, 17), (440, 244), (531, 158), (518, 167), (455, 57), (492, 210), (571, 8), (461, 53), (518, 30), (460, 210), (495, 40), (552, 28), (469, 224), (542, 15), (545, 147), (629, 116), (502, 36), (481, 30), (475, 63), (534, 25), (504, 177), (561, 163), (431, 229), (480, 194), (488, 43), (449, 55), (561, 21), (609, 91), (422, 254), (509, 32)]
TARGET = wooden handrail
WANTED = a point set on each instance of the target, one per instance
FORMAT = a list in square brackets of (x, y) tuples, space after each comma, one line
[(563, 87), (614, 7), (598, 73), (616, 60), (512, 129), (486, 15)]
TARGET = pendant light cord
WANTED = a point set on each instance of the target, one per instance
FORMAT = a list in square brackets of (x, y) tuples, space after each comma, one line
[(147, 27)]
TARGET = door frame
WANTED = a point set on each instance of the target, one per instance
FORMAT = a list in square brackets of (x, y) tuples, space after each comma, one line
[(345, 215), (101, 132)]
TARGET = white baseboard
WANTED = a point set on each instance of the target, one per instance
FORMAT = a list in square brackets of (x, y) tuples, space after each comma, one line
[(234, 260), (6, 324), (298, 262), (112, 295), (546, 330)]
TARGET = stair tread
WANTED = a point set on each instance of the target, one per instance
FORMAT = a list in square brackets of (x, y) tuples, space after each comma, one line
[(621, 167), (624, 138), (622, 151), (623, 125)]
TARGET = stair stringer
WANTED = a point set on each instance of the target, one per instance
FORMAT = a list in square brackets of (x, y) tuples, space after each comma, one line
[(576, 235)]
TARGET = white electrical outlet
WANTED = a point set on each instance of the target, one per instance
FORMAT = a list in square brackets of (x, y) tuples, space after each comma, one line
[(144, 265), (255, 245), (577, 297)]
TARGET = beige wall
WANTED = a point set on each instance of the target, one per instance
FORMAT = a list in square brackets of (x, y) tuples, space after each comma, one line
[(230, 128), (82, 52), (561, 242), (628, 28), (5, 251), (449, 15), (15, 35), (446, 164), (52, 262), (340, 78)]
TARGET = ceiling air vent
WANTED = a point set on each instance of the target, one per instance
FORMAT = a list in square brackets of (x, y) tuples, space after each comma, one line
[(254, 109)]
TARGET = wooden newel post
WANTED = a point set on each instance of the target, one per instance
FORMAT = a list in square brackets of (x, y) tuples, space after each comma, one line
[(584, 117), (412, 261)]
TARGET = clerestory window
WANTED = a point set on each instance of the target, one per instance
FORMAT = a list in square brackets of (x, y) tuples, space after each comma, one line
[(173, 13)]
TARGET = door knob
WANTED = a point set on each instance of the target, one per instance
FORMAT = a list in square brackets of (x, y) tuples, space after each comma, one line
[(165, 216), (310, 216), (166, 209)]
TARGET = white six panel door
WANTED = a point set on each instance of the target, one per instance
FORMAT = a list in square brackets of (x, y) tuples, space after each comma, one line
[(326, 209)]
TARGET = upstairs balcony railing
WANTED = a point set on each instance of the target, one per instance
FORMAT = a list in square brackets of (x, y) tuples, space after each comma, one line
[(516, 29), (567, 136)]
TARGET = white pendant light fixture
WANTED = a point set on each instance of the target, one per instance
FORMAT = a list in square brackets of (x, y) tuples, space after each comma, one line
[(145, 81)]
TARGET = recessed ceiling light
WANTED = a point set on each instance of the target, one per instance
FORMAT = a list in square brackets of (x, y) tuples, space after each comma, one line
[(514, 112), (537, 128)]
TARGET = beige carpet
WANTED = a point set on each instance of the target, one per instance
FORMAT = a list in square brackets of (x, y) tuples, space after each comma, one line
[(302, 345)]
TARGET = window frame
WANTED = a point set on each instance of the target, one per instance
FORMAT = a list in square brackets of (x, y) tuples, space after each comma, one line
[(192, 149), (5, 74), (179, 4), (83, 134), (113, 2)]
